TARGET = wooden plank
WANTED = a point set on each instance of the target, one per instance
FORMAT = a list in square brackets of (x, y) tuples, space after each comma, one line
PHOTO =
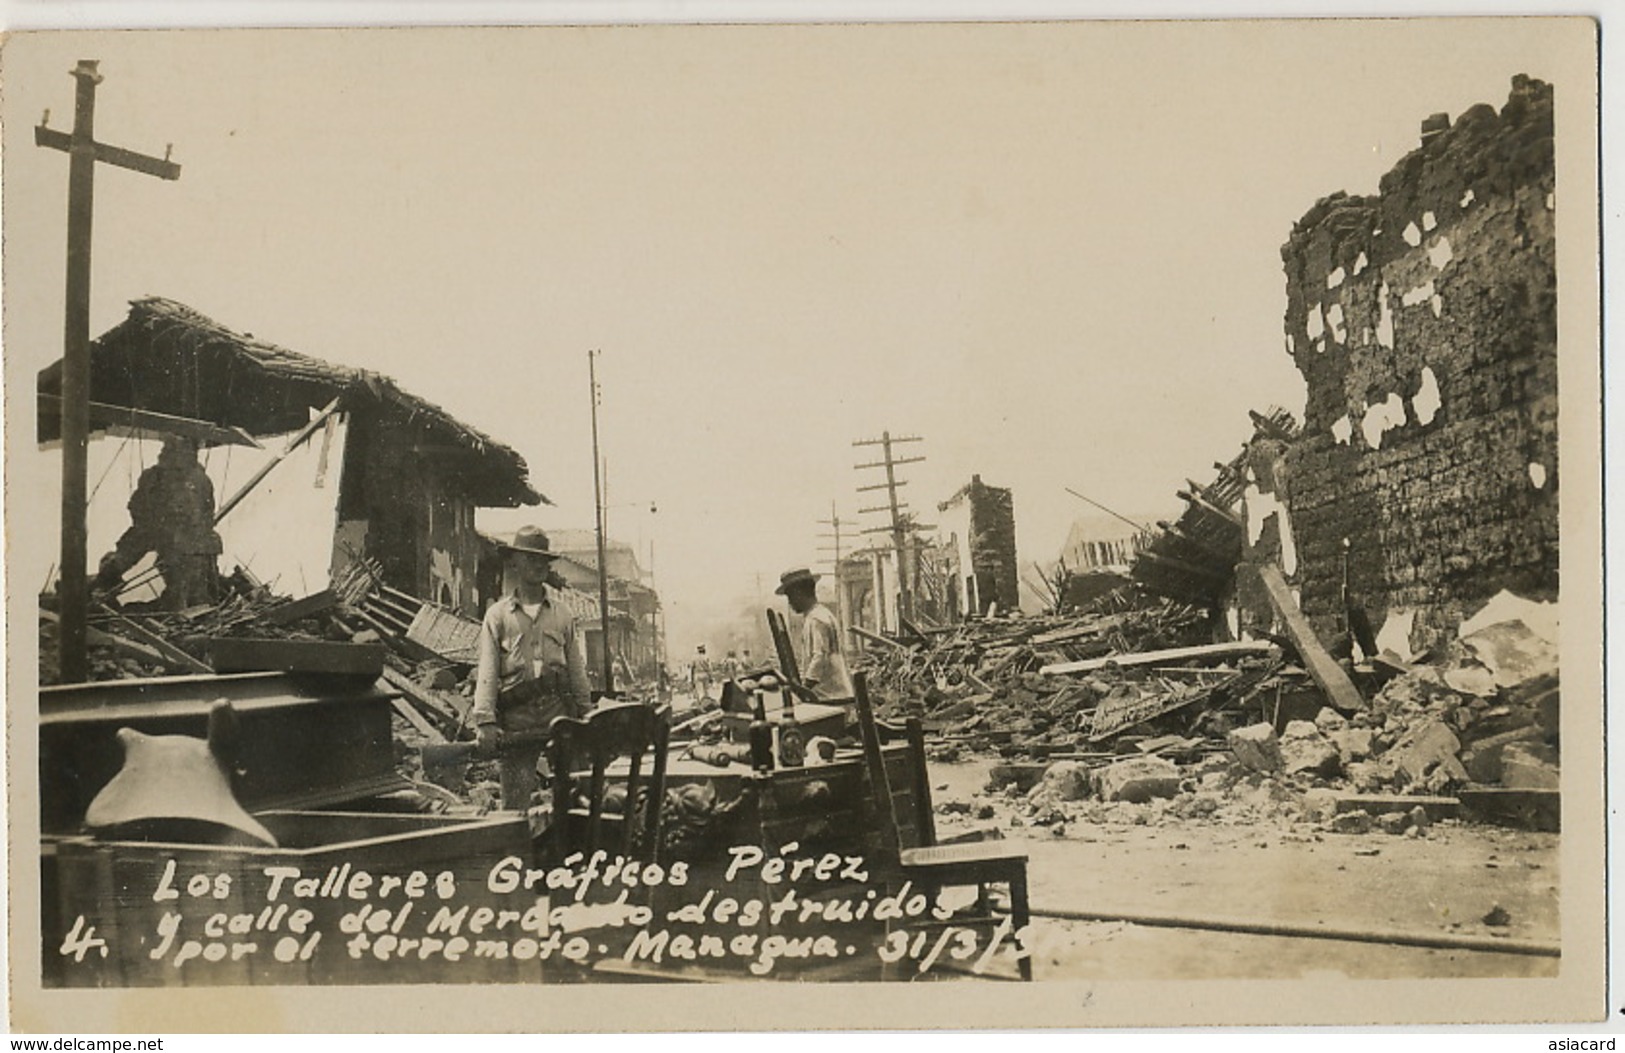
[(417, 720), (292, 611), (172, 654), (447, 714), (230, 654), (1327, 674), (103, 415), (1239, 649)]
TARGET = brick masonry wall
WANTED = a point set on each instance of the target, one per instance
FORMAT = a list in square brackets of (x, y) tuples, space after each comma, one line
[(1424, 323)]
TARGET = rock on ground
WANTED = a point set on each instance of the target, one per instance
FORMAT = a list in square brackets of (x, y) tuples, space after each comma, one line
[(1139, 779), (1257, 747)]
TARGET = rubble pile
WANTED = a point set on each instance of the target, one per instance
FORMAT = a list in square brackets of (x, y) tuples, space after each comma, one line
[(1474, 734)]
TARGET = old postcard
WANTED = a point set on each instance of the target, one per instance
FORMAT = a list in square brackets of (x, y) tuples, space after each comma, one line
[(1033, 524)]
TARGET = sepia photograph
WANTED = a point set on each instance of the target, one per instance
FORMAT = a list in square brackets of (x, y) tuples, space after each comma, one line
[(1013, 524)]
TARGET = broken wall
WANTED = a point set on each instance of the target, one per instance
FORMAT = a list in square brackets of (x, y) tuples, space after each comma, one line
[(993, 546), (1424, 323)]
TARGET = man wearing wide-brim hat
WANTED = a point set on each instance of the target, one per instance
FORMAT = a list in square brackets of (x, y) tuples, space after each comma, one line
[(532, 664), (823, 661)]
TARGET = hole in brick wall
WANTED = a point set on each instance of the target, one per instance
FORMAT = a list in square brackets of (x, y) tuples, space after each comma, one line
[(1537, 474), (1412, 235), (1419, 295), (1385, 318), (1440, 253), (1379, 419), (1426, 402), (1334, 319)]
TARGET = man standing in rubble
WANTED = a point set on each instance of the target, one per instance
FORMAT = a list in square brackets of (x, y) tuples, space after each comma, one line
[(823, 662), (532, 666), (171, 516)]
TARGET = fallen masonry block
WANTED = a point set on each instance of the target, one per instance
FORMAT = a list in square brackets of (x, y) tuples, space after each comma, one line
[(1139, 779), (1023, 776), (1530, 766), (1393, 822), (1257, 747), (1435, 808), (1351, 823), (1329, 721), (1304, 749), (1063, 781), (1426, 756), (1353, 744), (1483, 760)]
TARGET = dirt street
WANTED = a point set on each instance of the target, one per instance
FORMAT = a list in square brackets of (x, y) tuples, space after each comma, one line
[(1278, 870)]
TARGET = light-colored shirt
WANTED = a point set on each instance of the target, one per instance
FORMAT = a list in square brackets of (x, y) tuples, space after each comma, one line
[(515, 647), (824, 663)]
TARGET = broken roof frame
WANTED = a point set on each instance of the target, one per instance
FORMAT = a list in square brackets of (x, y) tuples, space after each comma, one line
[(166, 358)]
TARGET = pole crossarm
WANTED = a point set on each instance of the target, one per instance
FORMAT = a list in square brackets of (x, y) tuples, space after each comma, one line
[(73, 592), (118, 157)]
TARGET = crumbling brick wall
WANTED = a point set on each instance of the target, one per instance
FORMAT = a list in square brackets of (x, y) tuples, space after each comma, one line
[(993, 545), (1424, 323)]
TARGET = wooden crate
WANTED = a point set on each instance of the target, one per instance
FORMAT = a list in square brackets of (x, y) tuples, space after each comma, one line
[(112, 885)]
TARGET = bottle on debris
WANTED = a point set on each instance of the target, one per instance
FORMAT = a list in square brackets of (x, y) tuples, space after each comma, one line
[(792, 741), (761, 738)]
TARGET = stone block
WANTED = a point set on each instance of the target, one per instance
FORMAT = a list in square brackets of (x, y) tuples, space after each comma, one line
[(1139, 779), (1483, 759), (1393, 822), (1351, 823), (1305, 749), (1256, 747), (1530, 766), (1063, 781)]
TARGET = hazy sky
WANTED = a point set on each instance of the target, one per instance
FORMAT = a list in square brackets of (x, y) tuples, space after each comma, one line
[(1051, 249)]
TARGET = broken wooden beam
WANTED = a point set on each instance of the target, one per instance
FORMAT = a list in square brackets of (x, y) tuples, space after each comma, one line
[(441, 711), (1179, 565), (1216, 652), (1222, 514), (294, 610), (417, 720), (293, 444), (1328, 675), (172, 654), (877, 638), (104, 415), (232, 654)]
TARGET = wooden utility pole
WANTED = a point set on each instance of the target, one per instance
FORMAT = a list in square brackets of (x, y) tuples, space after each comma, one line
[(834, 523), (83, 152), (598, 502), (900, 527)]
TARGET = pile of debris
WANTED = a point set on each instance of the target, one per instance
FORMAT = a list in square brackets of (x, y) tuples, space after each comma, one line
[(1473, 734), (932, 667)]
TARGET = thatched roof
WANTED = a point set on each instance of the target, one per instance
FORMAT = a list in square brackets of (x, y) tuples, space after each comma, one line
[(167, 358)]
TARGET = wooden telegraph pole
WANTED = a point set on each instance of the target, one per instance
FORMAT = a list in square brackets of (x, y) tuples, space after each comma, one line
[(899, 528), (598, 502), (83, 152)]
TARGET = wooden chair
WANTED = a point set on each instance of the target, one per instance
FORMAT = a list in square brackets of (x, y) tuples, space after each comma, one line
[(626, 729), (931, 865)]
